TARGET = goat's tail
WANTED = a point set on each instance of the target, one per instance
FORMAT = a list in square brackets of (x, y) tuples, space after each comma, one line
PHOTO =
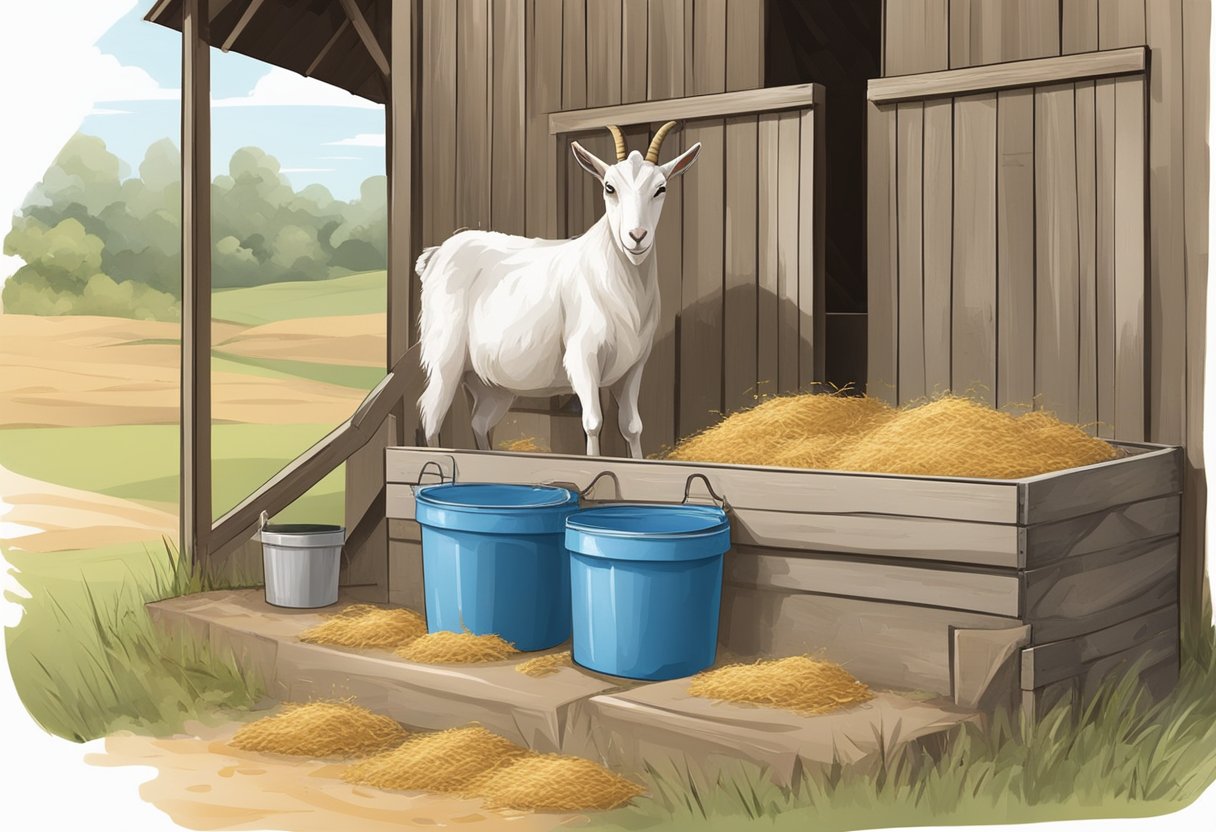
[(424, 260)]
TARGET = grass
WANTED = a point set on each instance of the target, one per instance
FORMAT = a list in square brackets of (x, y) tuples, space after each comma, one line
[(86, 659), (357, 294), (343, 375), (1118, 756)]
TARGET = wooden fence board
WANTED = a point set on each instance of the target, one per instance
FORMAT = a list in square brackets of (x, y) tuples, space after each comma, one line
[(909, 188), (634, 26), (1047, 543), (1056, 265), (1078, 26), (666, 49), (1087, 206), (604, 44), (882, 267), (1130, 320), (788, 173), (740, 312), (544, 94), (918, 36), (768, 303), (1104, 257), (1121, 23), (812, 246), (658, 402), (973, 362), (508, 159), (1015, 252), (439, 101), (744, 45), (708, 47), (991, 31), (938, 243), (472, 115), (1047, 663), (1094, 487)]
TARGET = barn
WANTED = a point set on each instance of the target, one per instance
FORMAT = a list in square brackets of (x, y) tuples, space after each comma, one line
[(1003, 198)]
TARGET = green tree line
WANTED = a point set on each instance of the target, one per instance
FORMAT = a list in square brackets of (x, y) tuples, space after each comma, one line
[(98, 241)]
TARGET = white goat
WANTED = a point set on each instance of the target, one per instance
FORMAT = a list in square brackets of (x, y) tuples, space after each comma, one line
[(510, 316)]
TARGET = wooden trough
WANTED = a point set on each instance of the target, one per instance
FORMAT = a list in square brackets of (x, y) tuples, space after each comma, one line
[(997, 593)]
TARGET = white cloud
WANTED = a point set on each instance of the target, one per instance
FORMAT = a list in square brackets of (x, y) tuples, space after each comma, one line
[(306, 170), (281, 88), (361, 140), (106, 111), (113, 80)]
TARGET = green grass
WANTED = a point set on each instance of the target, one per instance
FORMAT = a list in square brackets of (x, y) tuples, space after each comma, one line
[(1118, 756), (343, 375), (357, 294), (86, 660)]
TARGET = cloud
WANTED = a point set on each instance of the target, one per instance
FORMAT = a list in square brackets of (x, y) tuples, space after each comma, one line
[(342, 158), (306, 170), (284, 88), (112, 80), (361, 140), (105, 111)]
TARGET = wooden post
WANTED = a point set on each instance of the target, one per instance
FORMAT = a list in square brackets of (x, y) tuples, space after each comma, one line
[(402, 225), (195, 519)]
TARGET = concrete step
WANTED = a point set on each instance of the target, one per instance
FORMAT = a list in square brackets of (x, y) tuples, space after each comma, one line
[(573, 711)]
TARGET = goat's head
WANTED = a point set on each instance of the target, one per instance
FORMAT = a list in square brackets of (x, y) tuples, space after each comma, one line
[(634, 189)]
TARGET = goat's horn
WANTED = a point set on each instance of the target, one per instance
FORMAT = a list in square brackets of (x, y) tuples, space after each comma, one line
[(652, 152), (619, 141)]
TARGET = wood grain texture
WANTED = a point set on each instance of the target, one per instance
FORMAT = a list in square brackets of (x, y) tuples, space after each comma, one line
[(1104, 256), (973, 362), (1078, 26), (1121, 23), (708, 47), (634, 60), (604, 47), (740, 313), (406, 586), (986, 667), (745, 46), (472, 114), (659, 401), (1047, 663), (746, 102), (666, 49), (789, 157), (973, 80), (1094, 487), (544, 94), (882, 265), (1056, 259), (1131, 340), (1120, 525), (1087, 300), (1015, 187), (938, 244), (991, 31), (909, 188), (812, 246), (917, 36), (768, 302), (574, 54), (700, 363), (508, 162)]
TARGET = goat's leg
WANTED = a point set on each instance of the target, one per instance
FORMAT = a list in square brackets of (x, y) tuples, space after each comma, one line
[(584, 375), (629, 420), (490, 404)]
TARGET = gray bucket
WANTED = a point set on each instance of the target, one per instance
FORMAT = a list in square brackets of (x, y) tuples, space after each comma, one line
[(301, 562)]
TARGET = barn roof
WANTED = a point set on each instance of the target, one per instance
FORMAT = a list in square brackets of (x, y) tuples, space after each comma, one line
[(312, 37)]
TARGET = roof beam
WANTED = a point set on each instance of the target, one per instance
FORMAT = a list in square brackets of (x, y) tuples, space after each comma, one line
[(355, 14), (239, 29), (329, 44)]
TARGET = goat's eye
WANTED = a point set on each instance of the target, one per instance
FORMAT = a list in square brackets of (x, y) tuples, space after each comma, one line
[(662, 190), (608, 189)]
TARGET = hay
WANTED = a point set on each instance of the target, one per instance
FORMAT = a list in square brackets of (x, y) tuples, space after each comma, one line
[(544, 665), (950, 436), (554, 783), (524, 444), (448, 762), (366, 625), (798, 683), (320, 729), (456, 648)]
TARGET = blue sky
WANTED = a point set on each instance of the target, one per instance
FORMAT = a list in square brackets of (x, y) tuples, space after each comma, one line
[(322, 135)]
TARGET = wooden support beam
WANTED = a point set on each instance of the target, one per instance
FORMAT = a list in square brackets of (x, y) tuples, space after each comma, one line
[(329, 44), (195, 500), (795, 97), (355, 14), (239, 29)]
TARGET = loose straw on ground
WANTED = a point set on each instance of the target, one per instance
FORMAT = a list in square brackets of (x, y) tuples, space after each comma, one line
[(798, 683), (368, 626), (456, 648), (540, 666), (554, 783), (321, 729)]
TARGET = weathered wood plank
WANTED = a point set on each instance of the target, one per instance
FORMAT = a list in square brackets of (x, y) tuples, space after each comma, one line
[(508, 162), (1121, 23), (666, 51), (1015, 251), (1087, 299), (1095, 487), (405, 582), (1104, 257), (700, 363), (986, 665), (1078, 26), (917, 36), (776, 489), (988, 31), (938, 244), (789, 151), (973, 362), (1047, 663), (768, 303), (912, 652), (812, 245), (574, 54), (1087, 593), (1056, 259), (806, 571), (604, 49), (472, 115), (909, 189), (544, 95), (634, 26), (1130, 318), (1047, 543), (660, 108), (744, 45), (439, 102), (708, 47), (740, 313), (882, 264), (977, 79)]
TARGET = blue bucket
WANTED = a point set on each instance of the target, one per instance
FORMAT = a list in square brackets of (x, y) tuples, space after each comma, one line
[(493, 560), (646, 584)]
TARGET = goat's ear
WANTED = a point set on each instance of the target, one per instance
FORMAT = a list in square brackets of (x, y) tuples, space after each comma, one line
[(682, 162), (590, 162)]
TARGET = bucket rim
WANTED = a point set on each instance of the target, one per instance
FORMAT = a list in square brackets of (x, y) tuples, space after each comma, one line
[(302, 528), (559, 497), (575, 522)]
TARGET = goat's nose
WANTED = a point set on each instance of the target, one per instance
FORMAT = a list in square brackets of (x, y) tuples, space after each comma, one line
[(638, 234)]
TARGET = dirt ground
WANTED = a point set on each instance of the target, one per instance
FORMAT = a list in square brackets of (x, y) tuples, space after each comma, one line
[(202, 783)]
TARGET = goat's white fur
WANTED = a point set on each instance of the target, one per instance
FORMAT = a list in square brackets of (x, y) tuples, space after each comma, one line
[(510, 316)]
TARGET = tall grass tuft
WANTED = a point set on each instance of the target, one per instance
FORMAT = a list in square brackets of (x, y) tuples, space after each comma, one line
[(1119, 755), (87, 660)]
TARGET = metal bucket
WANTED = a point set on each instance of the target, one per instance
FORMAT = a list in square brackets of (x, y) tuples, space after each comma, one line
[(301, 562)]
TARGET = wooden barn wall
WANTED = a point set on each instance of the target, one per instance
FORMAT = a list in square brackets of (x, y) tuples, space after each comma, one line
[(492, 72), (1073, 285)]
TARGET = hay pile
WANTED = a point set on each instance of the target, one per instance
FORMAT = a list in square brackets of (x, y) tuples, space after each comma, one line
[(366, 625), (472, 762), (798, 683), (553, 783), (456, 648), (544, 665), (321, 729), (950, 436), (524, 444)]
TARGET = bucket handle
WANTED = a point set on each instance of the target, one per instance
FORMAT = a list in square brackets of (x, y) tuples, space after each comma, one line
[(719, 499), (438, 470), (591, 485), (263, 520)]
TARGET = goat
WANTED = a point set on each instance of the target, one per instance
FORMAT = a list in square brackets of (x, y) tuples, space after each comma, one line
[(510, 316)]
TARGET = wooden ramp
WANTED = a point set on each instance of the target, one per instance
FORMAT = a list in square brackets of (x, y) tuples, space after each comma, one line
[(621, 723)]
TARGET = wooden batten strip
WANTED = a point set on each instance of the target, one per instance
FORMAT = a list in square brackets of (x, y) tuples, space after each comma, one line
[(239, 28), (1047, 663), (1122, 525), (355, 14), (1053, 70), (717, 105)]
